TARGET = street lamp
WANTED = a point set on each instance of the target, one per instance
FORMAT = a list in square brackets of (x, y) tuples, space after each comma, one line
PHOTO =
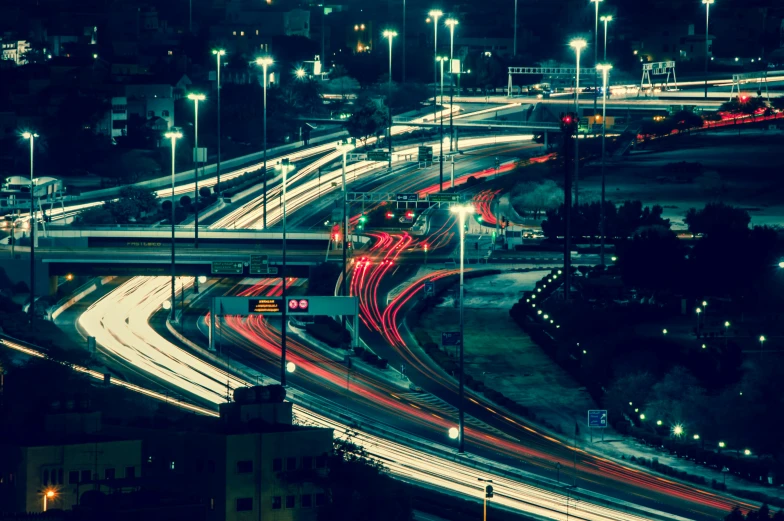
[(451, 23), (218, 53), (174, 135), (389, 34), (699, 311), (578, 44), (453, 433), (605, 68), (264, 62), (677, 430), (488, 495), (300, 73), (747, 452), (33, 225), (462, 211), (196, 98), (291, 367), (441, 60), (284, 325), (606, 20), (48, 496), (595, 49), (722, 444), (345, 146), (707, 19), (435, 14), (762, 342), (514, 44)]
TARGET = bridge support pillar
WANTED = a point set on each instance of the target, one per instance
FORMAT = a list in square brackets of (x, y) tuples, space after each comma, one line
[(355, 333), (546, 139), (53, 285)]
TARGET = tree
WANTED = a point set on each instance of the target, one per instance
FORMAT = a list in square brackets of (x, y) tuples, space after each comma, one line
[(686, 120), (144, 200), (718, 219), (678, 399), (778, 104), (634, 388), (366, 122), (536, 197), (359, 489)]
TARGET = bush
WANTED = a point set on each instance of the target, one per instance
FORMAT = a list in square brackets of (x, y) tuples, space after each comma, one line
[(205, 192), (166, 207), (185, 201)]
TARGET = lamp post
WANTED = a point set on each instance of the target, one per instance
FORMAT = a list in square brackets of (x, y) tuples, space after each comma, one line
[(33, 224), (389, 34), (606, 20), (595, 50), (698, 311), (488, 494), (196, 98), (285, 306), (707, 20), (218, 53), (451, 22), (462, 211), (344, 146), (578, 45), (726, 332), (174, 135), (605, 68), (48, 495), (435, 14), (264, 62), (762, 344), (441, 59)]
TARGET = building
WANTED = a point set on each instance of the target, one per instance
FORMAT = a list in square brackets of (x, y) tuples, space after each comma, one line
[(115, 123), (149, 101), (14, 50), (252, 463)]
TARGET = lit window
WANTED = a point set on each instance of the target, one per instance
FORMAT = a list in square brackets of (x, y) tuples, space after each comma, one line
[(170, 53), (242, 33), (234, 33), (257, 32)]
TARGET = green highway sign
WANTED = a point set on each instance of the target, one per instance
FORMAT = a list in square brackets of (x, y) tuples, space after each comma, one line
[(377, 155), (443, 198), (259, 265), (226, 268)]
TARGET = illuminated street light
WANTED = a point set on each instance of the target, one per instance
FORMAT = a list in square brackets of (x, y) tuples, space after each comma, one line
[(264, 62), (696, 436), (606, 20), (389, 35), (196, 98), (202, 279), (453, 433), (578, 44), (300, 72), (31, 136), (166, 304), (747, 452), (173, 135), (605, 68), (451, 23), (291, 367), (642, 416), (664, 331), (435, 14), (462, 211), (658, 422), (48, 496), (722, 444), (218, 54), (707, 20), (677, 430)]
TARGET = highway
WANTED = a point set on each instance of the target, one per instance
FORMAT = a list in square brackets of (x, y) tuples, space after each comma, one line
[(120, 323)]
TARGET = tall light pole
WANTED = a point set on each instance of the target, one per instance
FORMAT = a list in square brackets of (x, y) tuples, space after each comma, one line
[(578, 45), (605, 68), (707, 20), (264, 62), (218, 53), (344, 146), (196, 98), (435, 14), (606, 20), (173, 136), (462, 212), (595, 52), (451, 23), (441, 60), (404, 42), (285, 305), (30, 136), (389, 34)]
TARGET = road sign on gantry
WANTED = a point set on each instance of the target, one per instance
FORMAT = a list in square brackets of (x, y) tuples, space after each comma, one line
[(259, 265), (444, 198), (430, 288), (226, 268), (405, 198), (597, 418)]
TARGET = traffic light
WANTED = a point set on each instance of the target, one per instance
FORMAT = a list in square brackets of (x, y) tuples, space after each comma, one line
[(363, 218), (390, 215), (425, 247), (569, 122), (410, 214)]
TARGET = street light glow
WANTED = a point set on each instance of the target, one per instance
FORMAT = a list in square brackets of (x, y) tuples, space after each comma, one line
[(607, 18), (677, 430), (300, 72), (389, 33), (451, 22), (453, 433), (721, 444), (202, 279), (174, 134), (29, 135), (578, 44), (291, 367), (696, 436), (264, 61), (642, 416), (435, 13), (219, 52), (195, 96), (463, 208), (747, 452), (604, 67)]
